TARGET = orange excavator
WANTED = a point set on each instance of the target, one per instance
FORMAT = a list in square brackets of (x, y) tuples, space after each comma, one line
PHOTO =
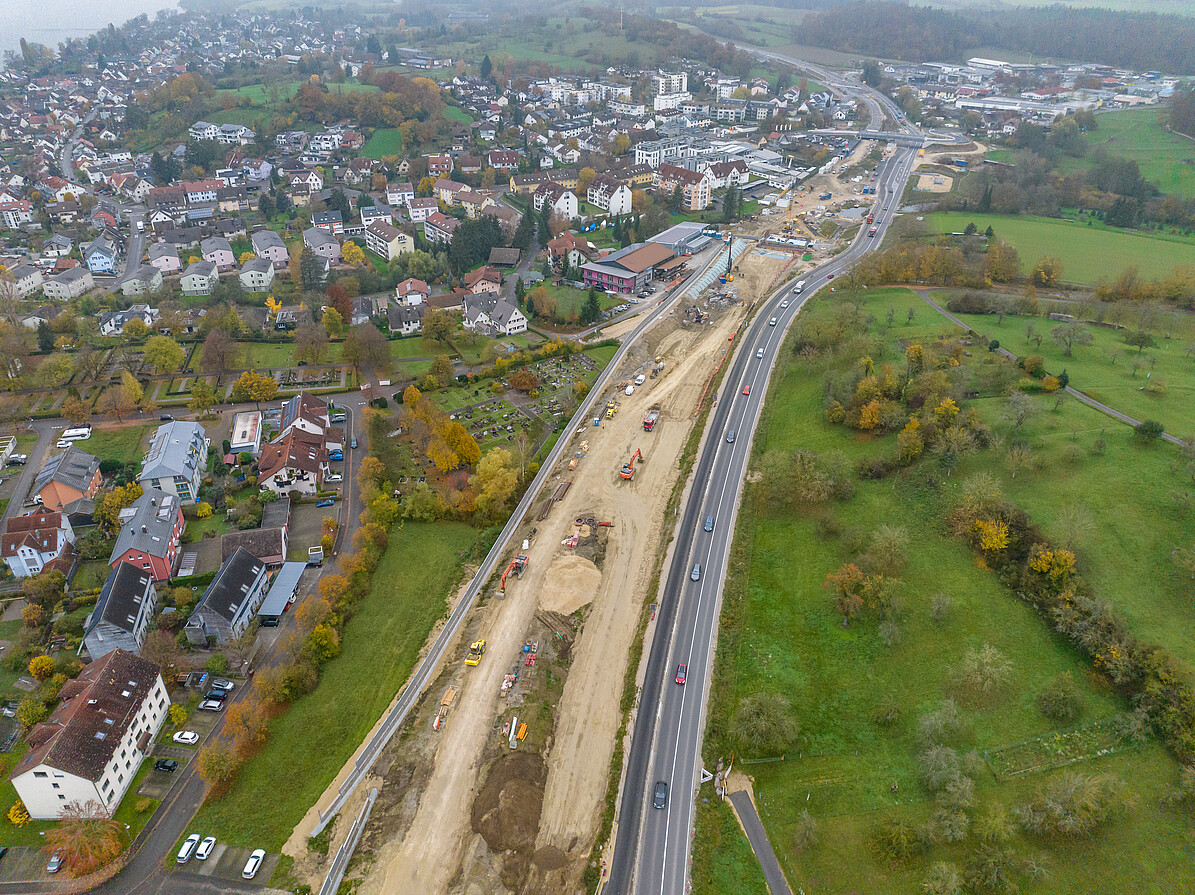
[(628, 469), (517, 566)]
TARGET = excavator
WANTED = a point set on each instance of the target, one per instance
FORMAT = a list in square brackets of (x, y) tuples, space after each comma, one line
[(517, 565), (476, 651), (628, 469)]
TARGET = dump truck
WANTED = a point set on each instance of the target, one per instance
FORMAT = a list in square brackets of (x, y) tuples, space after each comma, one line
[(649, 421), (476, 651)]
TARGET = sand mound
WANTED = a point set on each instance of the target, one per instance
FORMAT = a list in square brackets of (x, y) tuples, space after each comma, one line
[(571, 582)]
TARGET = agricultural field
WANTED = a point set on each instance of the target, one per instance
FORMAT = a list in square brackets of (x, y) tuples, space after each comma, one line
[(310, 742), (1139, 135), (872, 697), (1088, 254), (384, 141)]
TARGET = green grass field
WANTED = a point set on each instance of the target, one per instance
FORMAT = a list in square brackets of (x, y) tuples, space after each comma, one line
[(384, 141), (457, 115), (780, 634), (311, 741), (1088, 254), (126, 444), (1139, 135), (1105, 368), (266, 355)]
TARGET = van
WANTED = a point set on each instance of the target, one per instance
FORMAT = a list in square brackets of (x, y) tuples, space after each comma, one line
[(188, 849)]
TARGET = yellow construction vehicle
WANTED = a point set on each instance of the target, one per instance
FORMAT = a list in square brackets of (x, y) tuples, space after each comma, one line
[(476, 651)]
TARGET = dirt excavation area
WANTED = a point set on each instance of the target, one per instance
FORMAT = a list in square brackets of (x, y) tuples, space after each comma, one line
[(497, 783)]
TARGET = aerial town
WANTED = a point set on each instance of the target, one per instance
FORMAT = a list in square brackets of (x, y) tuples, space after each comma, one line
[(578, 451)]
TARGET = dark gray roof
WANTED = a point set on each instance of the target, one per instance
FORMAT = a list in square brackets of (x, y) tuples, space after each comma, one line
[(73, 467), (146, 525), (264, 543), (120, 599), (232, 583), (264, 239), (276, 514)]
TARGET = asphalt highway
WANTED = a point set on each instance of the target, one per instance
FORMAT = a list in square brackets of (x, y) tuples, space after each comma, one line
[(651, 853)]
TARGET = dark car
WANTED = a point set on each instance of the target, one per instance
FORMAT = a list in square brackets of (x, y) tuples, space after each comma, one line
[(166, 418), (682, 672), (327, 502), (169, 765), (218, 695), (730, 436), (660, 797)]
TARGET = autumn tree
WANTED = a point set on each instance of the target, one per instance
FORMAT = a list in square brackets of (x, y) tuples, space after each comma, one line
[(365, 346), (86, 837), (352, 253), (41, 667), (339, 299), (220, 352), (441, 369), (1068, 335), (524, 381), (76, 410), (1002, 264), (495, 481), (163, 354), (311, 343), (217, 762), (438, 325), (109, 504), (203, 398), (847, 586), (333, 322), (255, 387), (1046, 273), (246, 724)]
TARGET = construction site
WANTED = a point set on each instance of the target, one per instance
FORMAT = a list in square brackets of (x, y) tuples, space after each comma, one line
[(497, 782)]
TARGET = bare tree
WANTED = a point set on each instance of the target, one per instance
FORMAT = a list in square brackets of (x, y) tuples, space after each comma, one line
[(1071, 334), (1019, 409), (220, 352)]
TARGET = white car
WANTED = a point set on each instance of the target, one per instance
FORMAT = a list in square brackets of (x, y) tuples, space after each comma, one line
[(205, 848), (254, 863), (188, 848), (333, 478), (784, 303), (186, 737)]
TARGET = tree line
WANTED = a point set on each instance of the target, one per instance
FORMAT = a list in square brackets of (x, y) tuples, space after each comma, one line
[(1139, 40)]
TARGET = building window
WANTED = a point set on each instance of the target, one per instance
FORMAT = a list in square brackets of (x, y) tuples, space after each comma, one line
[(40, 774), (56, 785), (61, 797)]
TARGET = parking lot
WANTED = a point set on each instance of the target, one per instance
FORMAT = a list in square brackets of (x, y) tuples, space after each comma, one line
[(225, 863)]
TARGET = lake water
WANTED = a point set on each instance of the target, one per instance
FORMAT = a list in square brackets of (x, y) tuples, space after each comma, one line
[(50, 22)]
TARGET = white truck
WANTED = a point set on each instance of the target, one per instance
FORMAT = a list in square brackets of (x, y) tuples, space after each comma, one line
[(798, 287)]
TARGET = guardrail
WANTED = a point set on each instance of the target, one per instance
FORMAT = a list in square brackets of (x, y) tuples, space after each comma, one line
[(341, 862), (427, 668)]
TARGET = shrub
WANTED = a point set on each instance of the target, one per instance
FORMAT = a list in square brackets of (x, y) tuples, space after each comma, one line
[(1034, 365), (1060, 700), (143, 805), (217, 664)]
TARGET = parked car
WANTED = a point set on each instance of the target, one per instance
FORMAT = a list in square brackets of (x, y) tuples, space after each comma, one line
[(188, 848), (169, 765), (333, 479), (186, 737), (217, 695), (254, 863), (326, 502), (211, 705), (205, 848), (55, 863), (660, 796), (336, 455), (682, 672), (62, 444), (166, 418), (224, 684), (17, 460)]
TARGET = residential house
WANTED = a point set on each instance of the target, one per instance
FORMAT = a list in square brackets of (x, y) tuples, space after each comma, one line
[(508, 219), (473, 203), (304, 412), (112, 323), (438, 228), (490, 315), (577, 249), (503, 159), (37, 317), (144, 280), (176, 460), (230, 601), (268, 244), (90, 748), (16, 214), (123, 612), (362, 310), (331, 221), (26, 280), (439, 165), (295, 461), (419, 209), (218, 250), (257, 274), (399, 194), (412, 291), (371, 213), (610, 194), (322, 243), (246, 432), (200, 278), (483, 279), (694, 187), (150, 531), (386, 240), (406, 319), (57, 246), (65, 478), (448, 191), (164, 257), (724, 174), (102, 253), (197, 192), (627, 270), (556, 197), (32, 543), (69, 284)]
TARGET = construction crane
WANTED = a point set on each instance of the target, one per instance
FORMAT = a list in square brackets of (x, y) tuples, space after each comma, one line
[(517, 565), (628, 469), (476, 651)]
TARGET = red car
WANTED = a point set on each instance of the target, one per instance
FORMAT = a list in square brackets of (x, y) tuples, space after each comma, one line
[(746, 389), (829, 276), (682, 671)]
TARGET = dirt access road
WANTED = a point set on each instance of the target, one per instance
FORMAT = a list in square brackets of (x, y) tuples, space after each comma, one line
[(440, 852)]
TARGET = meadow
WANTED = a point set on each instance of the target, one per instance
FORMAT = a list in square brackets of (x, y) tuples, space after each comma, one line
[(859, 692), (384, 141), (1140, 135), (1088, 254)]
